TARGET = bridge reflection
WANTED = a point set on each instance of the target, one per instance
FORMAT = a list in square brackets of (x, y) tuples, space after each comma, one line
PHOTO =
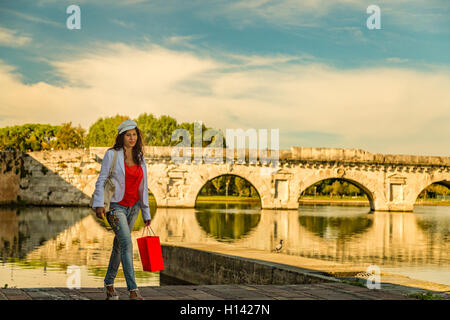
[(73, 236), (51, 239), (343, 234)]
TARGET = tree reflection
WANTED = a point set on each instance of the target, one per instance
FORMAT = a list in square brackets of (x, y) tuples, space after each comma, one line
[(227, 222), (431, 220), (336, 227)]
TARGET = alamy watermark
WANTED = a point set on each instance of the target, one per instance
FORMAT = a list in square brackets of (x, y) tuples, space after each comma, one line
[(236, 150), (374, 279), (74, 20), (374, 20), (74, 279)]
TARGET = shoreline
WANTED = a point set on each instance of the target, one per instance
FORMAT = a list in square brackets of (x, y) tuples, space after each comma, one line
[(389, 281), (236, 199)]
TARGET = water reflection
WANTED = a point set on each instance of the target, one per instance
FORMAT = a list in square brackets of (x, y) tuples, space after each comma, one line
[(38, 244), (225, 222), (329, 225), (348, 235)]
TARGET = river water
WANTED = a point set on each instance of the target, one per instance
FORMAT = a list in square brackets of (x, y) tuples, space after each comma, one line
[(42, 246)]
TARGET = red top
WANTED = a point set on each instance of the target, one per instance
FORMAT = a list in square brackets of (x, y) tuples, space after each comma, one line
[(133, 177)]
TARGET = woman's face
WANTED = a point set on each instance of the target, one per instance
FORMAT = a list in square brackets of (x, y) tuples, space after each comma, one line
[(130, 138)]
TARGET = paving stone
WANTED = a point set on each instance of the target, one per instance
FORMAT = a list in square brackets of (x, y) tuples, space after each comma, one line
[(329, 294), (18, 297), (202, 295), (48, 293), (193, 294), (297, 287), (37, 294), (277, 292), (219, 293), (322, 291), (2, 296), (149, 292), (91, 290), (15, 294), (12, 291), (381, 295), (174, 292), (95, 295), (71, 294), (162, 297)]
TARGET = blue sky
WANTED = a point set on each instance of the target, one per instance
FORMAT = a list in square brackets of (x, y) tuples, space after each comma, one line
[(309, 68)]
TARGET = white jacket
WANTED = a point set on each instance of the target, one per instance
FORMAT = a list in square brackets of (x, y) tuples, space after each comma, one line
[(118, 178)]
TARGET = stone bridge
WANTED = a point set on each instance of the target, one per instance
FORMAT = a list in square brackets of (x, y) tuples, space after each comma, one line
[(391, 182)]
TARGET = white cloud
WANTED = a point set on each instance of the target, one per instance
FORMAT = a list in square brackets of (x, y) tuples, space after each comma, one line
[(32, 18), (125, 24), (185, 41), (12, 38), (396, 60), (377, 109)]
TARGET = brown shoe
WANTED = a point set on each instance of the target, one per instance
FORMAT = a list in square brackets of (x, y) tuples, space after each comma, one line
[(111, 295), (137, 297)]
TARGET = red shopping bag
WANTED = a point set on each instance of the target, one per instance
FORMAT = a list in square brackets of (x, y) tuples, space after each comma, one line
[(150, 252)]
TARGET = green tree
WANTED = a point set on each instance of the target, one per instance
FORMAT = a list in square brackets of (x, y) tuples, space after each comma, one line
[(156, 132), (104, 131), (353, 190), (218, 183), (34, 137), (337, 188), (69, 137), (241, 185), (433, 190)]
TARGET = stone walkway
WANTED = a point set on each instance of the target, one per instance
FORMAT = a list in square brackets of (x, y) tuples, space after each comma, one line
[(322, 291)]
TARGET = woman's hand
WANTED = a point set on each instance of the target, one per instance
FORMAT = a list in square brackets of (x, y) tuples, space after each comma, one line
[(100, 211), (147, 223)]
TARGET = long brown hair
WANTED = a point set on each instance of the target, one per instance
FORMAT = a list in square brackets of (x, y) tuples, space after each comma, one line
[(138, 149)]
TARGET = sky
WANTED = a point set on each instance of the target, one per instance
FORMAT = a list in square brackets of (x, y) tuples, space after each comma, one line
[(311, 68)]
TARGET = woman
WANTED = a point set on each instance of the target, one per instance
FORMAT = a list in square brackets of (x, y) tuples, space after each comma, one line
[(131, 194)]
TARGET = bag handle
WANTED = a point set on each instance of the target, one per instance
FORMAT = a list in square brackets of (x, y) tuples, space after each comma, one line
[(111, 169), (147, 228), (113, 164)]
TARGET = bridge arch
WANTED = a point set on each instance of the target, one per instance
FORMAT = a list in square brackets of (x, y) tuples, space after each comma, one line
[(200, 177), (313, 179), (228, 174), (426, 184)]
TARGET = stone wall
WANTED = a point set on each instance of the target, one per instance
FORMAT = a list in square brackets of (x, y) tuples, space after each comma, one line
[(205, 268), (11, 169), (62, 177)]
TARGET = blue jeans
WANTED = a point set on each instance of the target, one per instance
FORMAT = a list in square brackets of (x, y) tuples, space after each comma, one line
[(122, 219)]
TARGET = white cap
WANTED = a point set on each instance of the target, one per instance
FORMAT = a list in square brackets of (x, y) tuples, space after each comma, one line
[(126, 125)]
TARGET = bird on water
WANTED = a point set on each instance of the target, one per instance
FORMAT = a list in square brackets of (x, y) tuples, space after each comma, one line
[(279, 246)]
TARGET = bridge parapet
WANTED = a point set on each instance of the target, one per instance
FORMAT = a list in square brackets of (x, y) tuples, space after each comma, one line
[(309, 154), (359, 155)]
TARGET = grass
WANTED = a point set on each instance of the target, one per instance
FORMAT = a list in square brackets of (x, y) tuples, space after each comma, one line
[(424, 296), (354, 283), (416, 295), (225, 198), (336, 198), (321, 198), (432, 202)]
